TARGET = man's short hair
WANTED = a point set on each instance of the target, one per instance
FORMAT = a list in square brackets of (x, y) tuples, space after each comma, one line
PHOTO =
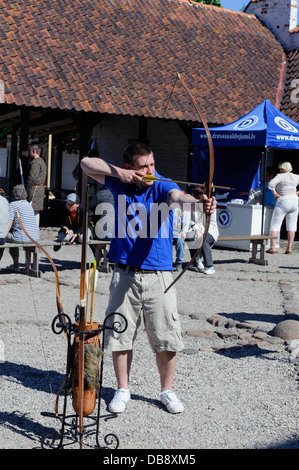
[(199, 190), (135, 150)]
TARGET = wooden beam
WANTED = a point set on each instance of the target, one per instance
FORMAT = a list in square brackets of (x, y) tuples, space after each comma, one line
[(9, 116), (50, 126), (13, 118), (58, 130)]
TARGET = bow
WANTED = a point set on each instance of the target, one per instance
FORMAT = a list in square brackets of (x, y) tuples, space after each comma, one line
[(61, 315), (58, 298), (208, 183), (82, 403)]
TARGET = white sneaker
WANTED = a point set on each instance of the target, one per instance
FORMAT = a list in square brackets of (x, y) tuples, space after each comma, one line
[(200, 266), (120, 400), (172, 403), (210, 270)]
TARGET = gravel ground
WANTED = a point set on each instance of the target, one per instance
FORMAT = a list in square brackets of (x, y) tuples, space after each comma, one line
[(238, 393)]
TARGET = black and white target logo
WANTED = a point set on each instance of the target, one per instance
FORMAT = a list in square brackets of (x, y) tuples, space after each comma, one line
[(246, 123), (285, 125), (224, 218)]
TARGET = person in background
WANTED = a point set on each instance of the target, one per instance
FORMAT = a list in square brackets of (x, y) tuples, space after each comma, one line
[(181, 226), (36, 180), (101, 208), (4, 222), (4, 219), (72, 224), (269, 197), (198, 223), (16, 234), (284, 189)]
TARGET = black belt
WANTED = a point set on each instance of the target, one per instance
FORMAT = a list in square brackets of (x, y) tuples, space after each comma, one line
[(133, 268)]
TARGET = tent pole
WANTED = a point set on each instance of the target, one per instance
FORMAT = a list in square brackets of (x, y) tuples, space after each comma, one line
[(264, 172)]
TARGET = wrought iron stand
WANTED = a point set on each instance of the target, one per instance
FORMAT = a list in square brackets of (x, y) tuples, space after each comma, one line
[(69, 423)]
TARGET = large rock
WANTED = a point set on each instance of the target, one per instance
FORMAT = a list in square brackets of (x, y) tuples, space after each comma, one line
[(286, 329)]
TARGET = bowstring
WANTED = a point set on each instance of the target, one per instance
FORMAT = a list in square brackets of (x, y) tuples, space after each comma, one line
[(164, 111), (36, 312), (169, 96), (41, 337), (155, 245)]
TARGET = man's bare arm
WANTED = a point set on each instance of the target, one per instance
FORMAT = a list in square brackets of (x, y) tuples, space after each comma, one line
[(98, 169), (188, 202)]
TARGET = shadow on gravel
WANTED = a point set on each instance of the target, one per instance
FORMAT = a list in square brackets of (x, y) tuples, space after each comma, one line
[(20, 423), (36, 379), (246, 350), (61, 265), (231, 261), (253, 317), (290, 444), (289, 267)]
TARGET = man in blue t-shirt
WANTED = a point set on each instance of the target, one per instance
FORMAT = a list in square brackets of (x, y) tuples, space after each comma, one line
[(141, 248)]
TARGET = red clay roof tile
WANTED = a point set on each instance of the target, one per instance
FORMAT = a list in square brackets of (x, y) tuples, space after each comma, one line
[(122, 57)]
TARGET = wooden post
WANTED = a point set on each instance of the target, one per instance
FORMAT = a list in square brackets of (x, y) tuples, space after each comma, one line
[(49, 161), (24, 141)]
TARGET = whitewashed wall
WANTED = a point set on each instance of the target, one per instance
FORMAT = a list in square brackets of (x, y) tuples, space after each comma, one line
[(281, 17), (168, 142)]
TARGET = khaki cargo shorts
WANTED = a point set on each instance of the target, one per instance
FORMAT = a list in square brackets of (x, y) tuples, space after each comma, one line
[(136, 295)]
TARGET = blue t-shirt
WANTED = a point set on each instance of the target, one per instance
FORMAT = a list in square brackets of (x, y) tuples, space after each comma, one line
[(143, 224)]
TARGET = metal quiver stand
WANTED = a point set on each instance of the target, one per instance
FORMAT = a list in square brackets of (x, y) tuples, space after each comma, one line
[(93, 377)]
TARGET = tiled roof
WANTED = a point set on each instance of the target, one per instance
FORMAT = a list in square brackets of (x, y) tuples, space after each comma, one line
[(290, 99), (121, 57)]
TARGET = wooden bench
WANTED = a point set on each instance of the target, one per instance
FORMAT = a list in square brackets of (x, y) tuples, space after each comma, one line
[(255, 241), (101, 248)]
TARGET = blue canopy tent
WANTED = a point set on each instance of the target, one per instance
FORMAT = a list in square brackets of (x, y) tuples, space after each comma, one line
[(241, 147)]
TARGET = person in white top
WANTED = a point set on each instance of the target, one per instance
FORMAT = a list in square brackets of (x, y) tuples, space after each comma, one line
[(4, 219), (284, 188), (181, 226), (4, 222), (198, 223)]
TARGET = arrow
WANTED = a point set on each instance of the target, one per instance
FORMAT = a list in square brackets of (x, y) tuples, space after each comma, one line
[(154, 178), (94, 279)]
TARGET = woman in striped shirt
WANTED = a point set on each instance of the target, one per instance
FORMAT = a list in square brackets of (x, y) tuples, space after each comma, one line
[(16, 234)]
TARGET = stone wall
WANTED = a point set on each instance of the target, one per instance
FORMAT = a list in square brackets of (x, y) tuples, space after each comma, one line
[(166, 139)]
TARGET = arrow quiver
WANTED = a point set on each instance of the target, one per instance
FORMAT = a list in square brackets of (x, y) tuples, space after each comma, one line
[(84, 366), (92, 355)]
